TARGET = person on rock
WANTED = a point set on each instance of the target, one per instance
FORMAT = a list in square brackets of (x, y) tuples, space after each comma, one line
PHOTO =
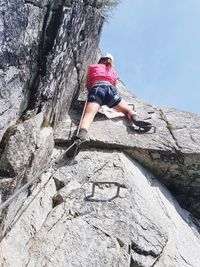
[(101, 85)]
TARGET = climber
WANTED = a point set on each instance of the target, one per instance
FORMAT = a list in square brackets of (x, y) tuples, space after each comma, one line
[(101, 82)]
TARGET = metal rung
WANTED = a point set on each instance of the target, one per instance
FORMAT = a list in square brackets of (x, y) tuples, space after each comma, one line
[(133, 106), (114, 183)]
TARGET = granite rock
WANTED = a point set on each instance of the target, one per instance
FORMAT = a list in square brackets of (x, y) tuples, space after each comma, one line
[(143, 226), (45, 48), (25, 151), (21, 26)]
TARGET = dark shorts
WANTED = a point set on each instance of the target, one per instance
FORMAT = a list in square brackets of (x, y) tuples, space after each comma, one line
[(104, 95)]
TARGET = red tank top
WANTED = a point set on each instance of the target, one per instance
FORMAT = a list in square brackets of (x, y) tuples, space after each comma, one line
[(101, 72)]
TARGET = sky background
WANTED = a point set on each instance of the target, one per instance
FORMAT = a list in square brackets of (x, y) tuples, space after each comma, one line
[(156, 47)]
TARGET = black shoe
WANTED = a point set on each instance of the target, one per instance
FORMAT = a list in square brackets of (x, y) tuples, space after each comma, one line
[(144, 126), (76, 142), (82, 135)]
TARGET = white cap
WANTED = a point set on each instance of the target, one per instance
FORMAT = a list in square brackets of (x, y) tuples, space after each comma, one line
[(108, 55)]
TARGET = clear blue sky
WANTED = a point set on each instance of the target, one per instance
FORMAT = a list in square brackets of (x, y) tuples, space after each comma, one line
[(156, 46)]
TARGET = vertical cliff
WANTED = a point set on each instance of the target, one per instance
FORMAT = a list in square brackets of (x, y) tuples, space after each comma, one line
[(45, 48)]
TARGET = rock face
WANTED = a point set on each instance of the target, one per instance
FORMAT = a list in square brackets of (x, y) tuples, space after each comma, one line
[(74, 47), (45, 48), (22, 143), (43, 43), (25, 151), (111, 205), (143, 226), (21, 26)]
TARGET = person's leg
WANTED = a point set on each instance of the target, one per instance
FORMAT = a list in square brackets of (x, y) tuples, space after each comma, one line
[(125, 108), (91, 110), (131, 114)]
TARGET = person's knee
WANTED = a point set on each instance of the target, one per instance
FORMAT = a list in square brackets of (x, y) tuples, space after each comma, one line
[(128, 113)]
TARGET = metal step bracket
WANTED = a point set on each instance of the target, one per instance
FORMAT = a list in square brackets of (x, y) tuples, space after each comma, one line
[(109, 183)]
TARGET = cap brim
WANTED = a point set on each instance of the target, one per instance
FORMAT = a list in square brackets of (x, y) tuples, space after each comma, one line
[(106, 58)]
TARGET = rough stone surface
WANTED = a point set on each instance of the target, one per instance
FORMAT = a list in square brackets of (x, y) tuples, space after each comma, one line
[(24, 153), (144, 226), (45, 47), (20, 32), (35, 208), (74, 48)]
